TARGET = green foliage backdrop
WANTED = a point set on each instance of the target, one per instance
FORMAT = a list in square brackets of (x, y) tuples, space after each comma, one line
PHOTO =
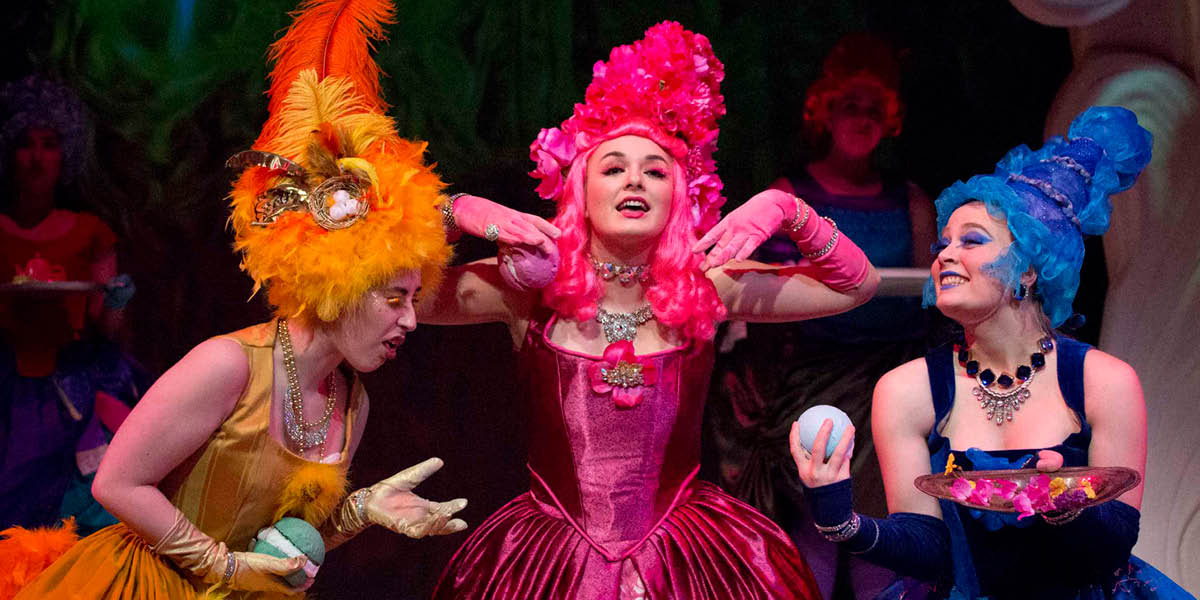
[(175, 86)]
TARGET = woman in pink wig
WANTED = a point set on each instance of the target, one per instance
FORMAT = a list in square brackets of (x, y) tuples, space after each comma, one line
[(615, 353)]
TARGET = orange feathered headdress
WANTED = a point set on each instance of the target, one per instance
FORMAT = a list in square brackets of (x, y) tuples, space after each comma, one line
[(331, 202)]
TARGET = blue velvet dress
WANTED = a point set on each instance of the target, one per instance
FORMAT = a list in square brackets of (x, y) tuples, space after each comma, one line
[(994, 554)]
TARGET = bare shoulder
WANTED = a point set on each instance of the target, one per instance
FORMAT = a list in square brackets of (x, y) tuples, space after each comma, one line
[(902, 396), (906, 383), (1110, 386), (216, 368), (220, 356)]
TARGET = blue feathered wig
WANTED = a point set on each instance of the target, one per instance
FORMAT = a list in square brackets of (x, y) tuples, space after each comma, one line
[(1051, 198)]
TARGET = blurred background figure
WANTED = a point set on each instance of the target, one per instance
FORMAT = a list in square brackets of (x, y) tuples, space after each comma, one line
[(63, 387), (779, 370)]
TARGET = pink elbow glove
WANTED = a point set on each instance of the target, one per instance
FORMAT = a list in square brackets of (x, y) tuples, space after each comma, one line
[(494, 222), (833, 259), (740, 233)]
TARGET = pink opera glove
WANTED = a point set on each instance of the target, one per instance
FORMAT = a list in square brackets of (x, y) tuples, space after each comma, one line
[(741, 232), (841, 267), (525, 268), (474, 215), (623, 374)]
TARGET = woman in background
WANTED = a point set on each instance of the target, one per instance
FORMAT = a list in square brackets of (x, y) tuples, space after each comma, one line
[(781, 370)]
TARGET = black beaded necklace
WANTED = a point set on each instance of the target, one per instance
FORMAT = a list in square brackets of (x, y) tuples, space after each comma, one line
[(1001, 403)]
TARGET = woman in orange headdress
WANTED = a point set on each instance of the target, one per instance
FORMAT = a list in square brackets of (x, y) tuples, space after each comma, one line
[(336, 217)]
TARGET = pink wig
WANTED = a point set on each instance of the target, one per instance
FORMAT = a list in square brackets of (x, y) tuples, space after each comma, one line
[(679, 294), (665, 88)]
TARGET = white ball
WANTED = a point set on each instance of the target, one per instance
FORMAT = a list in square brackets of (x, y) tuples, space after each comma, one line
[(810, 422)]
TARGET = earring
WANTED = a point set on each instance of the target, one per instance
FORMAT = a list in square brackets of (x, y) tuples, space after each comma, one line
[(1020, 292)]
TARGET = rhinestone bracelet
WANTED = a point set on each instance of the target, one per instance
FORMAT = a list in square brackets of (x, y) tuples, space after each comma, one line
[(230, 567), (797, 222), (842, 531), (828, 245)]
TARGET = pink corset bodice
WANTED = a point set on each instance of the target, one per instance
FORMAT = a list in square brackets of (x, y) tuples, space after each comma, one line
[(613, 472)]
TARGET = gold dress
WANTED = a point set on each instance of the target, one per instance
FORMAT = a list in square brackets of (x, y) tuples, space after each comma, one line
[(229, 488)]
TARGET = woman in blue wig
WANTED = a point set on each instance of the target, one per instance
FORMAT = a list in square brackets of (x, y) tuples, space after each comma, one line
[(1006, 269)]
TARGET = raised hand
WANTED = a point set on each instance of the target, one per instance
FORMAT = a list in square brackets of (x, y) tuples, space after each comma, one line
[(741, 232), (814, 471), (392, 504), (483, 218)]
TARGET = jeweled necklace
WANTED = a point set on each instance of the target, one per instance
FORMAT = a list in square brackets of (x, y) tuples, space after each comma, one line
[(626, 274), (1000, 404), (302, 435), (622, 326)]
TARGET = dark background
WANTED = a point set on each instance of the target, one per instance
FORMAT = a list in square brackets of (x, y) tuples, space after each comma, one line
[(176, 87)]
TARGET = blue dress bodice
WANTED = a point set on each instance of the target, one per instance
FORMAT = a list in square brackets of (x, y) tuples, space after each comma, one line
[(880, 225)]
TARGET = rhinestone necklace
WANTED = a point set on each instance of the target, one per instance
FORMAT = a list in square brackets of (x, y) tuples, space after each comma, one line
[(626, 274), (302, 436), (622, 326), (1000, 404)]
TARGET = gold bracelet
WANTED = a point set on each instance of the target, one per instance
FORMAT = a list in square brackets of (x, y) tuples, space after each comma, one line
[(448, 222)]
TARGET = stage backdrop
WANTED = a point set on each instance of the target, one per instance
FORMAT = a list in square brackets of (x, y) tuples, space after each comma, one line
[(177, 86)]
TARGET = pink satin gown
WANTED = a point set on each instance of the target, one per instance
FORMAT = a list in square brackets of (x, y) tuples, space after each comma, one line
[(615, 509)]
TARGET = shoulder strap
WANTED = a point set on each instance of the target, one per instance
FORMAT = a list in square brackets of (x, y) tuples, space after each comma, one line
[(941, 381), (1071, 354)]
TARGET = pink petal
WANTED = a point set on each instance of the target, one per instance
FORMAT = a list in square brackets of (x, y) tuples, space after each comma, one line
[(627, 397), (1006, 489), (618, 351), (961, 488), (1022, 504), (982, 494), (597, 378)]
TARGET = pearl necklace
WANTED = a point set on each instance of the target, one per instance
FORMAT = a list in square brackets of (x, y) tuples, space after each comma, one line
[(1001, 405), (302, 436)]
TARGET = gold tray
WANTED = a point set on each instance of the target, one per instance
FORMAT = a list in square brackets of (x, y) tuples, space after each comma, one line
[(1106, 482)]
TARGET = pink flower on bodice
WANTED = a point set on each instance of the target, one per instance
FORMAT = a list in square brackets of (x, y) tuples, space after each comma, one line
[(623, 374)]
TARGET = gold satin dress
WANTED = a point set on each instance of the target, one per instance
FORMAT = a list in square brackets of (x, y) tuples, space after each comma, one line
[(229, 488)]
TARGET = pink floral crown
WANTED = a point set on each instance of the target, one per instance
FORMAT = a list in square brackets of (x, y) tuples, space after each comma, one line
[(666, 87)]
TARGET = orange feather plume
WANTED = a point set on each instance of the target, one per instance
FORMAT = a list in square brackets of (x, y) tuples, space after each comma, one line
[(334, 38)]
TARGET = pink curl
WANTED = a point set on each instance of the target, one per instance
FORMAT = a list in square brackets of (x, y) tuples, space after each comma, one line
[(679, 294)]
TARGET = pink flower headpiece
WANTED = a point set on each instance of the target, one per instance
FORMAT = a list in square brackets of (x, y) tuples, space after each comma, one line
[(666, 87)]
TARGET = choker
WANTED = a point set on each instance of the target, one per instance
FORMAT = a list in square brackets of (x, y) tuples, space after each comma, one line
[(622, 326), (302, 435), (626, 274), (996, 395)]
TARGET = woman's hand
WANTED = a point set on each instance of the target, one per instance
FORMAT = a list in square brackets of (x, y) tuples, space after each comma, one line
[(483, 218), (741, 232), (815, 472), (392, 504)]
